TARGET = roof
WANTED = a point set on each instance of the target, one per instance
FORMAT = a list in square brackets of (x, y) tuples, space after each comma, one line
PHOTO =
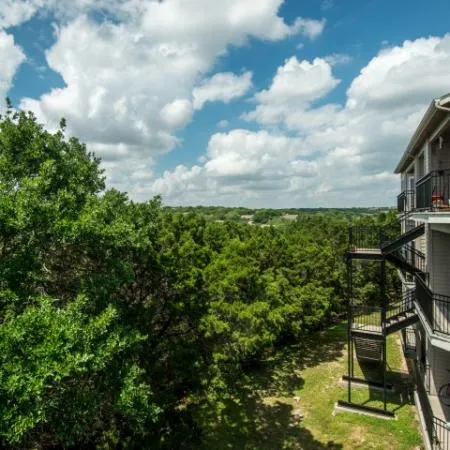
[(432, 118)]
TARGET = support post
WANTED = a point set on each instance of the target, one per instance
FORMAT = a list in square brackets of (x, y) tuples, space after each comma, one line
[(383, 325), (349, 326)]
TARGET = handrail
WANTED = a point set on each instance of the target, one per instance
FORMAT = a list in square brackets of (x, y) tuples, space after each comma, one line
[(366, 317), (433, 190), (436, 307), (424, 297), (412, 256), (441, 313), (441, 434), (405, 304), (365, 237), (427, 411)]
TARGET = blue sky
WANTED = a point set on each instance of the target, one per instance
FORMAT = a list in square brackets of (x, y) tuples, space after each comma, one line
[(247, 102)]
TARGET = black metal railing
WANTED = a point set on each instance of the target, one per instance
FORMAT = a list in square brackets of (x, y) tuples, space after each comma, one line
[(424, 297), (436, 307), (441, 434), (365, 237), (425, 405), (375, 236), (391, 230), (410, 255), (405, 304), (437, 429), (405, 201), (441, 313), (433, 190), (366, 317)]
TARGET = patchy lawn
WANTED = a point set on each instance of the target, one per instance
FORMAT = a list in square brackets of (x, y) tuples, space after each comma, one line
[(287, 403)]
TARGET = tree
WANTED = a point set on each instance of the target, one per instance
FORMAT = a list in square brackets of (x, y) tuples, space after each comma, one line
[(118, 319), (100, 300)]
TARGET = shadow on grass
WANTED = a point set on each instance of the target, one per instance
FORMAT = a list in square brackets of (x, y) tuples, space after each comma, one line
[(279, 373), (403, 393), (257, 423), (260, 411)]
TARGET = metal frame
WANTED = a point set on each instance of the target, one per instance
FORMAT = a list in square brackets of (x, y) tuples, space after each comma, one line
[(351, 333)]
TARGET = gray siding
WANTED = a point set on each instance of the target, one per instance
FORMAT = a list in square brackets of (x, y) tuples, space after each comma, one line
[(440, 362), (439, 257), (440, 158)]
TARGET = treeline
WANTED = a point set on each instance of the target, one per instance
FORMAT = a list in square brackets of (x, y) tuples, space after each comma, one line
[(119, 319), (272, 216)]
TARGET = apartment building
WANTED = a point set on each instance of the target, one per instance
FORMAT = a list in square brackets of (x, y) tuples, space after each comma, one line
[(419, 247)]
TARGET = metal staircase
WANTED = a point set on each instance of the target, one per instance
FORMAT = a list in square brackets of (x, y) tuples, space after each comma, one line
[(402, 314), (368, 331), (401, 321), (403, 239), (407, 258)]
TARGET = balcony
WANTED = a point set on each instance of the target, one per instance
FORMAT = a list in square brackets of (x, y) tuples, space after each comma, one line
[(365, 238), (405, 201), (435, 307), (433, 191)]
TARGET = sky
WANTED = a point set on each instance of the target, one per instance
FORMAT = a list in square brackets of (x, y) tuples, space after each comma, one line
[(257, 103)]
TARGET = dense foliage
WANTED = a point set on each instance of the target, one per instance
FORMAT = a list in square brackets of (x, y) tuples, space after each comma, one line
[(118, 319)]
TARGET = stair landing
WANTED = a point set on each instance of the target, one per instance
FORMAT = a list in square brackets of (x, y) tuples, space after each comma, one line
[(376, 329), (365, 253)]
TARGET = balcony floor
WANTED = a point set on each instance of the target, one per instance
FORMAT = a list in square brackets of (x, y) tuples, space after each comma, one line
[(371, 251), (434, 217), (365, 253)]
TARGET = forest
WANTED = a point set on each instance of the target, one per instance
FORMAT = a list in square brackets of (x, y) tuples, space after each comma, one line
[(120, 320)]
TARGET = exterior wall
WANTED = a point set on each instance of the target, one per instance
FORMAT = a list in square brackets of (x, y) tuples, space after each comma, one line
[(440, 158), (403, 182), (439, 363), (439, 261), (420, 165), (421, 242)]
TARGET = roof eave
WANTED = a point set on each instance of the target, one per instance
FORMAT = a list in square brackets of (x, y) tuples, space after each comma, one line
[(408, 155), (416, 139)]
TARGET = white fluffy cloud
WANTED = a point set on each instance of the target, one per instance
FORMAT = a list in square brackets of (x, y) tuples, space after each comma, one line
[(132, 83), (11, 57), (15, 12), (403, 76), (222, 87), (294, 87), (177, 114), (330, 155)]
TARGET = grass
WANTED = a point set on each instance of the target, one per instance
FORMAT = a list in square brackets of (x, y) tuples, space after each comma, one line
[(305, 378)]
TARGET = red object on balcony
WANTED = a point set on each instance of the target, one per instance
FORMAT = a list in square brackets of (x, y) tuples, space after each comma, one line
[(437, 201)]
